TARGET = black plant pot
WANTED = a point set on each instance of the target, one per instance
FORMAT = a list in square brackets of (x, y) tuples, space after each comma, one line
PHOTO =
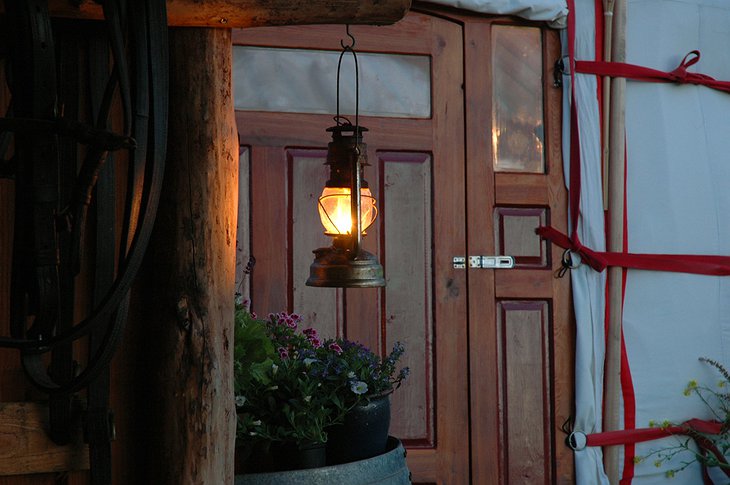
[(290, 456), (364, 433), (277, 456)]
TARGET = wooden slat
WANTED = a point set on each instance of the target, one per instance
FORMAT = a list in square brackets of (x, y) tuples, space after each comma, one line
[(425, 462), (529, 189), (408, 38), (563, 323), (25, 447), (270, 247), (523, 283), (450, 285), (272, 129), (253, 13), (485, 444)]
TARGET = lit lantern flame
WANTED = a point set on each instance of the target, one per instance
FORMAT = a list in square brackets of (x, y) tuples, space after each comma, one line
[(335, 210)]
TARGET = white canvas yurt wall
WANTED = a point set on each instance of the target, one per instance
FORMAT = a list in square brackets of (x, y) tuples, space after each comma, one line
[(677, 202)]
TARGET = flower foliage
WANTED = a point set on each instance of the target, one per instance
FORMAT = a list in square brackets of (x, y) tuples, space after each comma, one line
[(717, 400), (291, 385)]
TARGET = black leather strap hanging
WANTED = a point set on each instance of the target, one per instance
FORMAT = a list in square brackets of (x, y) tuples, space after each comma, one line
[(51, 249), (98, 423), (68, 43)]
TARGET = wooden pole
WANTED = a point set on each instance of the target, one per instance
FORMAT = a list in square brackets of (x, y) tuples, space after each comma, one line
[(612, 371), (189, 332), (608, 7), (254, 13)]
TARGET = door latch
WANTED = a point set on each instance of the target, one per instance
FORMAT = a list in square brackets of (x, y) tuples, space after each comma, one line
[(485, 262), (491, 262)]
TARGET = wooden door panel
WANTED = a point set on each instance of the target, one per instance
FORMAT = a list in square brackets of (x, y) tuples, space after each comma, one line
[(515, 235), (523, 329), (417, 174), (406, 212)]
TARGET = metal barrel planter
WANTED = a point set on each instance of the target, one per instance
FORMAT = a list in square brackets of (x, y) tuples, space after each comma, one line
[(388, 468)]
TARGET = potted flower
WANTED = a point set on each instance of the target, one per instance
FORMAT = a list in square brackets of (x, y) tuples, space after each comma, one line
[(293, 390), (283, 409), (363, 432)]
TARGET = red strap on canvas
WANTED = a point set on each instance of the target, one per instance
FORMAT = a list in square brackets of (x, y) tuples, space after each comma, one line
[(697, 429), (640, 73), (681, 263), (626, 436)]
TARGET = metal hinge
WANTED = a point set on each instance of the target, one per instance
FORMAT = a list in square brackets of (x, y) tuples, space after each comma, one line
[(485, 262)]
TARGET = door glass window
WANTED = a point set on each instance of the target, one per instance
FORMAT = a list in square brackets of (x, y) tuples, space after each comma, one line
[(305, 81), (517, 108)]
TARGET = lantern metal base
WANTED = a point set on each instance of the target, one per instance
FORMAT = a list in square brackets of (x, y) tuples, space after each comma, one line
[(335, 268)]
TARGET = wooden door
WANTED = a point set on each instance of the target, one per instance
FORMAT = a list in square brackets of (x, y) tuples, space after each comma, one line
[(520, 327), (417, 175), (489, 349)]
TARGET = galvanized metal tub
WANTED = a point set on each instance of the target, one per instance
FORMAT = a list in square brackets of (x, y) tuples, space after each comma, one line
[(386, 469)]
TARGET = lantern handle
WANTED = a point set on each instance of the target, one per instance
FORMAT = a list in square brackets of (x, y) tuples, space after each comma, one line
[(349, 48)]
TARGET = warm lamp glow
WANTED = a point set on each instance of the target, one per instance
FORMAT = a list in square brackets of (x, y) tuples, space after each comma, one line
[(335, 210)]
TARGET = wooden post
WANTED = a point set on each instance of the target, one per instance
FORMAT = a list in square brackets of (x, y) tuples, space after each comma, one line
[(612, 370), (608, 7), (188, 334)]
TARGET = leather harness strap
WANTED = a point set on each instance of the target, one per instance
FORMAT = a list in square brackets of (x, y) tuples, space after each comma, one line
[(50, 225)]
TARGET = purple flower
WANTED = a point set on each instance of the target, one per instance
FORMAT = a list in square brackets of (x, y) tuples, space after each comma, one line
[(310, 333), (316, 343), (283, 353), (335, 347)]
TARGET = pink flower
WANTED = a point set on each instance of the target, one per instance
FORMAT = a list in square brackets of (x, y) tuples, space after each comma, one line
[(335, 347), (283, 352), (316, 343), (310, 333)]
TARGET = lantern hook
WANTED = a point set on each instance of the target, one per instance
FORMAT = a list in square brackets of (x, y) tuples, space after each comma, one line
[(352, 39)]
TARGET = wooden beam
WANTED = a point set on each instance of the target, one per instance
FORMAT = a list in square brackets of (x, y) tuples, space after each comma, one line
[(25, 447), (255, 13)]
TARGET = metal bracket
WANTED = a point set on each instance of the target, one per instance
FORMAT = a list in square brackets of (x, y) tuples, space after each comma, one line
[(491, 262), (459, 262)]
